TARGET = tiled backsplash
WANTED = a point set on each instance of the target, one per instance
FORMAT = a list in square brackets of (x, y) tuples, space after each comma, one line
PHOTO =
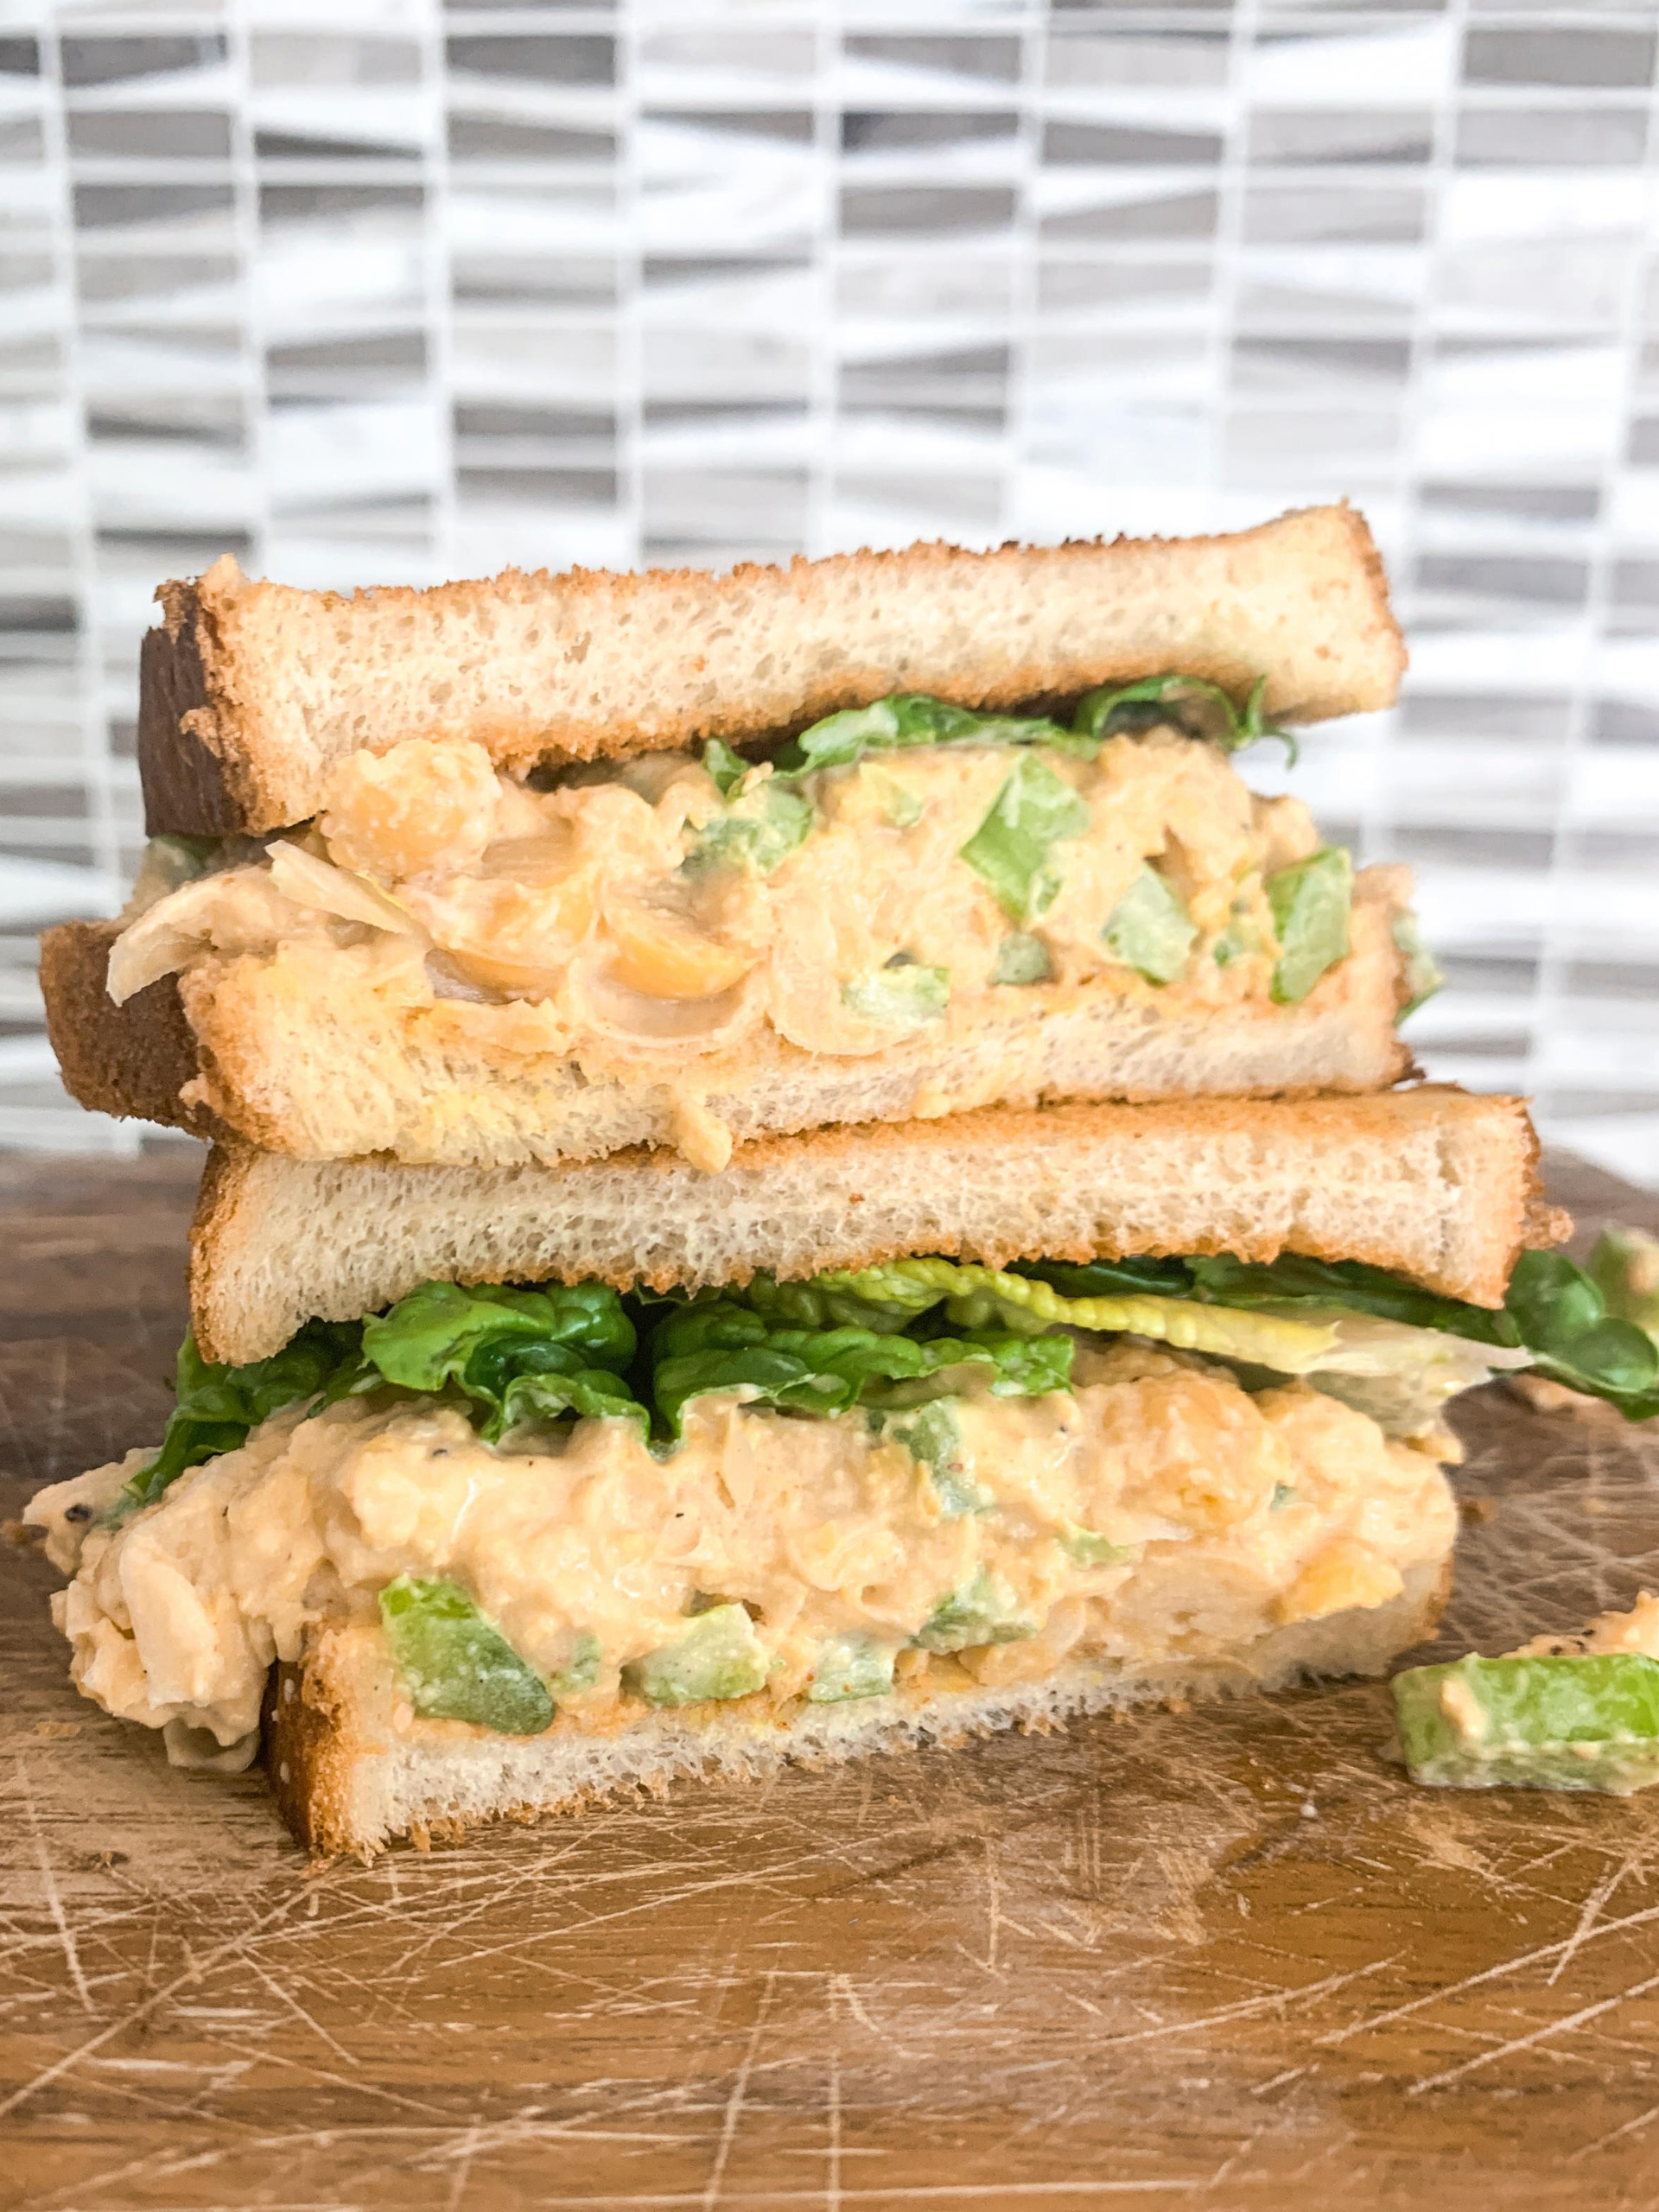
[(373, 291)]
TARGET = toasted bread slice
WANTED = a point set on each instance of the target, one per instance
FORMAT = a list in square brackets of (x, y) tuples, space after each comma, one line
[(350, 1771), (252, 692), (1432, 1182), (330, 1069)]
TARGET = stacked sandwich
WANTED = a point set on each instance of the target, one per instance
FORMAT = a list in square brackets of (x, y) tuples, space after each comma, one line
[(797, 1163)]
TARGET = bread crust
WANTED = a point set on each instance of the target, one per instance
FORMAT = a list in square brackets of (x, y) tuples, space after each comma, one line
[(1429, 1183), (347, 1779), (323, 1074), (132, 1061), (616, 664)]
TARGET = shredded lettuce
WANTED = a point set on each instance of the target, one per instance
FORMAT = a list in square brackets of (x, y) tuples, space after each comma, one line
[(904, 718), (909, 718)]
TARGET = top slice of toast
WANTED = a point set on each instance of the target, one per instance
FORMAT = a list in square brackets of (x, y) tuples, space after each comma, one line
[(252, 693)]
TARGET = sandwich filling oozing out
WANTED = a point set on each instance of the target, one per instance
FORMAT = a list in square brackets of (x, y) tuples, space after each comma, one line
[(560, 1506), (907, 870)]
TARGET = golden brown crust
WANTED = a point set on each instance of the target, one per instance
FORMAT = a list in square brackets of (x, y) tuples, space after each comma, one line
[(202, 677), (131, 1060), (310, 1743)]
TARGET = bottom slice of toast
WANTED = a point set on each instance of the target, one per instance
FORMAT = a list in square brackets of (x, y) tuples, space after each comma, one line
[(350, 1772)]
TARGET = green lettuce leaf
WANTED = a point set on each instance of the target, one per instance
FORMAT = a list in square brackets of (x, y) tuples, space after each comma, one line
[(217, 1407), (517, 1355), (974, 1297), (1034, 810), (1186, 702), (908, 718), (1553, 1309), (722, 1342)]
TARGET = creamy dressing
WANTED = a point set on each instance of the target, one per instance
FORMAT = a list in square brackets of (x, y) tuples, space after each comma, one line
[(1227, 1514), (598, 919)]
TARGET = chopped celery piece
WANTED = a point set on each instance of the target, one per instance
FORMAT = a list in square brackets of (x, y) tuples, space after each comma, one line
[(932, 1436), (1022, 958), (719, 1656), (981, 1611), (775, 822), (848, 1667), (1012, 848), (1310, 902), (904, 993), (1547, 1721), (455, 1665), (900, 807), (581, 1670), (1085, 1548), (1150, 929)]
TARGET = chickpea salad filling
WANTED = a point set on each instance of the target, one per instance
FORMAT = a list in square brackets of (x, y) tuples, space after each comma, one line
[(562, 1504), (905, 868)]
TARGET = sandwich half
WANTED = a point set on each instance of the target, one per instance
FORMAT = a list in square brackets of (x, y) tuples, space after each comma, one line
[(792, 1494), (481, 875)]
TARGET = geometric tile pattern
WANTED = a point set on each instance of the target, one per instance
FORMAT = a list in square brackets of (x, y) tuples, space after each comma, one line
[(377, 290)]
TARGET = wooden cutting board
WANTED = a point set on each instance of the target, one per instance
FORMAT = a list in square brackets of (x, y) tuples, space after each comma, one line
[(1227, 1957)]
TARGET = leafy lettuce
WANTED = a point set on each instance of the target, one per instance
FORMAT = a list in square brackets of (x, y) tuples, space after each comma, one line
[(732, 1343), (903, 1335), (1552, 1310), (905, 719)]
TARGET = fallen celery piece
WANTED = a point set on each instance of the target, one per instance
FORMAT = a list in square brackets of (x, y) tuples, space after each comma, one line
[(848, 1667), (719, 1656), (1310, 903), (1539, 1721), (455, 1665), (1150, 930)]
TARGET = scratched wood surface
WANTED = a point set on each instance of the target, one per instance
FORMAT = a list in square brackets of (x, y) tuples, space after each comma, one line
[(1227, 1957)]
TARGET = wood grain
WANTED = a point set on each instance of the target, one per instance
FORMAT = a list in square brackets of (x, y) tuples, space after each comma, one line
[(1226, 1958)]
